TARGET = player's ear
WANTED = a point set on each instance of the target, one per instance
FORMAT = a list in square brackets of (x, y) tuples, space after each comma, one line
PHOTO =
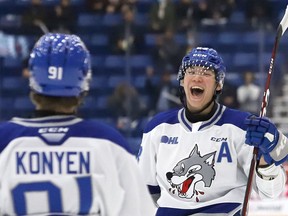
[(218, 87)]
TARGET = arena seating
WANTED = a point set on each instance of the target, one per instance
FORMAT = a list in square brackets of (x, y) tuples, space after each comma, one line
[(241, 46)]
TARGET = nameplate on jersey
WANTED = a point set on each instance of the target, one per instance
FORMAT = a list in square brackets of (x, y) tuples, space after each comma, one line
[(31, 161)]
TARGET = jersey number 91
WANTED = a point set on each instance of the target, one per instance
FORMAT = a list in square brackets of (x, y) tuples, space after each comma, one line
[(54, 196)]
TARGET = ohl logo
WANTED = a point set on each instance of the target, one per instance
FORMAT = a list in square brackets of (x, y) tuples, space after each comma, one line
[(169, 140)]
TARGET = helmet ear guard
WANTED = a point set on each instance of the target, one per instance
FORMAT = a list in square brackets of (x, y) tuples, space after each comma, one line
[(60, 66)]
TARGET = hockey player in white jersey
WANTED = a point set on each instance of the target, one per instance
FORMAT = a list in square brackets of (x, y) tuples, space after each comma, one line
[(195, 160), (57, 163)]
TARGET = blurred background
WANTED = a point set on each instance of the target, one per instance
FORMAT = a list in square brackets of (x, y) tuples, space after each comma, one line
[(137, 47)]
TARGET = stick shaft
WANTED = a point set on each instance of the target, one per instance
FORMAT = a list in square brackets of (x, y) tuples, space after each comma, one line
[(262, 113), (280, 31)]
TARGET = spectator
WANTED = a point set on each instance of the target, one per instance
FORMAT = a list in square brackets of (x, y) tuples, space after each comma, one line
[(164, 95), (201, 11), (113, 6), (14, 46), (210, 12), (96, 6), (162, 16), (167, 51), (63, 17), (184, 15), (191, 40), (259, 13), (248, 94), (219, 12), (108, 6), (126, 107), (35, 19), (7, 45), (22, 46), (228, 96), (129, 37)]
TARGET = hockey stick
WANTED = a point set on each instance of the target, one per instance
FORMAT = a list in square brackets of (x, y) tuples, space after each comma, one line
[(280, 31)]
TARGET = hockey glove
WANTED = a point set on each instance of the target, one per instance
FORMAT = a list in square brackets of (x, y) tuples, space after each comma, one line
[(263, 134)]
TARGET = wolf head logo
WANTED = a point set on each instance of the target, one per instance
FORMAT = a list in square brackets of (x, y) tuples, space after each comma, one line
[(190, 171)]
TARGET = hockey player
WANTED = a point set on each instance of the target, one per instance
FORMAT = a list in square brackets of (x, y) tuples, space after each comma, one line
[(57, 163), (194, 159)]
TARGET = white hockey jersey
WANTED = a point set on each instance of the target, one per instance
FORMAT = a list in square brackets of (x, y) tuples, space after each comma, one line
[(200, 168), (64, 165)]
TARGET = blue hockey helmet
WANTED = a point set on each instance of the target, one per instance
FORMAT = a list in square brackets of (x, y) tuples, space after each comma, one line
[(60, 66), (207, 58)]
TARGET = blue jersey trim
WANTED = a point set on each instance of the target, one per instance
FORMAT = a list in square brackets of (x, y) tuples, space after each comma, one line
[(217, 114), (82, 128), (234, 117), (95, 129), (47, 119), (184, 120), (154, 189), (169, 117), (10, 131), (216, 208), (223, 115)]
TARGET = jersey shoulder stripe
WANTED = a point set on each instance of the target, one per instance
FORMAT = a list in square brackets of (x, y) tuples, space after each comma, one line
[(223, 115), (234, 117), (76, 127), (95, 129), (169, 117)]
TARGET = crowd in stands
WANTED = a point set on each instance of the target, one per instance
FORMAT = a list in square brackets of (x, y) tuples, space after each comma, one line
[(163, 30)]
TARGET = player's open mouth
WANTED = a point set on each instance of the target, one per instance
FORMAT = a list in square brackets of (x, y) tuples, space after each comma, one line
[(186, 184), (197, 91)]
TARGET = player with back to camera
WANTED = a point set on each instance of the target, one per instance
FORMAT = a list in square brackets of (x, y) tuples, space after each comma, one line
[(195, 160), (57, 163)]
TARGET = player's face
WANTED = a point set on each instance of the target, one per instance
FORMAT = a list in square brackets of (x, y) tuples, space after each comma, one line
[(199, 84)]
